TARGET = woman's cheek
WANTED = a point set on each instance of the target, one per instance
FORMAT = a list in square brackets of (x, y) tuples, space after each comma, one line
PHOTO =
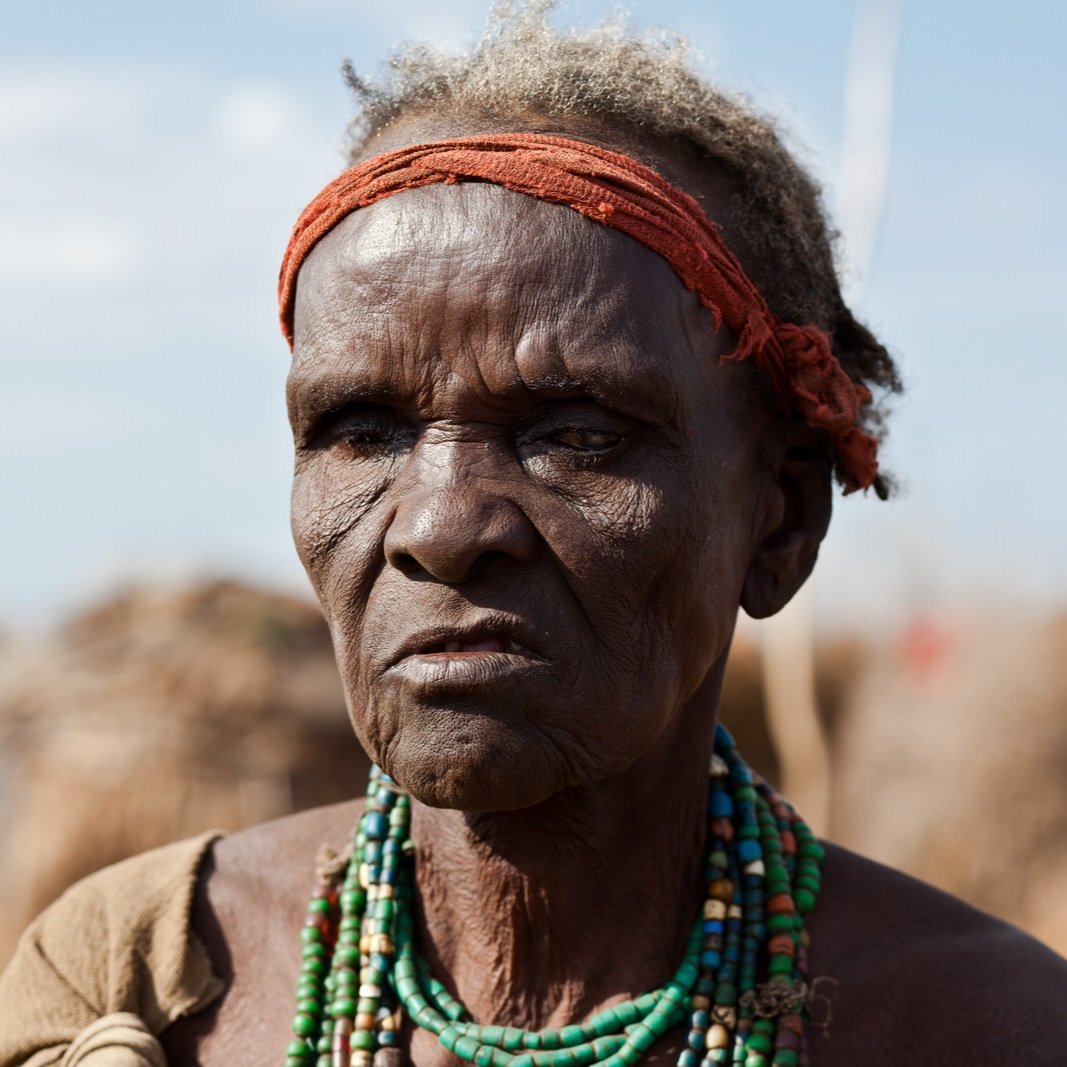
[(329, 498), (628, 527)]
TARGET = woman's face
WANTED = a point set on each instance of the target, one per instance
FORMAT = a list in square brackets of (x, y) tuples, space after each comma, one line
[(527, 490)]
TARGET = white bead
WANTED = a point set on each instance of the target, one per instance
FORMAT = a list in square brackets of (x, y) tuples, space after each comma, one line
[(718, 1036), (714, 909)]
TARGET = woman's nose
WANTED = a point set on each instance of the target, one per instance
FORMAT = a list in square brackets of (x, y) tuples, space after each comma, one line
[(452, 531)]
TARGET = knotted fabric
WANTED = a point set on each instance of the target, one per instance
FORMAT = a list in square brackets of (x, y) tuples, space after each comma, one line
[(619, 192), (111, 963), (119, 1040)]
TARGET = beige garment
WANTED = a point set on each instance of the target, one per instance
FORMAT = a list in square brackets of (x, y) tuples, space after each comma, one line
[(109, 966)]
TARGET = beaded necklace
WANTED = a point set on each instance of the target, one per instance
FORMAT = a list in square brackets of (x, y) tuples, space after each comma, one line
[(360, 973)]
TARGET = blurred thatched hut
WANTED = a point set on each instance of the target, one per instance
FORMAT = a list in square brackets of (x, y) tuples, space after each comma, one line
[(158, 714)]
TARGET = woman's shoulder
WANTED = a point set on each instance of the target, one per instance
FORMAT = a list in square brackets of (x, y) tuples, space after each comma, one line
[(268, 856), (270, 868), (897, 962), (249, 906)]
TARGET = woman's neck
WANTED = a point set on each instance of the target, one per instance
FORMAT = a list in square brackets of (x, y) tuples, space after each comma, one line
[(538, 917)]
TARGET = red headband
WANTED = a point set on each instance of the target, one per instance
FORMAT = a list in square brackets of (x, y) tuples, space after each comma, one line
[(619, 192)]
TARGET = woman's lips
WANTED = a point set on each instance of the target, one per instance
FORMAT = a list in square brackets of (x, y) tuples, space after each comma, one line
[(489, 644), (472, 659), (496, 634)]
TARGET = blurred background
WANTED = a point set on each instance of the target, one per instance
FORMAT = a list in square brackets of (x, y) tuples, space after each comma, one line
[(162, 668)]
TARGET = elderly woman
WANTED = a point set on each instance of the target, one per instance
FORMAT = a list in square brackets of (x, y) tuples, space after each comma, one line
[(571, 380)]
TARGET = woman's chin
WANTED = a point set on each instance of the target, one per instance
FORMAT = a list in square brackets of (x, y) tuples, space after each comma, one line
[(474, 777), (472, 787)]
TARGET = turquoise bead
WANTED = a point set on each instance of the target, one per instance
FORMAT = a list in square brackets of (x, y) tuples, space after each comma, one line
[(375, 825), (511, 1039), (605, 1047), (466, 1048), (572, 1035), (642, 1037), (604, 1024)]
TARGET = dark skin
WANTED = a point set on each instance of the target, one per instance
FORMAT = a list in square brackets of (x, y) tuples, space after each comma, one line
[(531, 499)]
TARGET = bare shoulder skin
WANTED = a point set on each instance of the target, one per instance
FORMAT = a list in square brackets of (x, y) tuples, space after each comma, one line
[(250, 905), (906, 973)]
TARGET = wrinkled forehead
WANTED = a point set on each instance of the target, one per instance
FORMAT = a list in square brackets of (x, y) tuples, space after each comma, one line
[(435, 270), (505, 237), (501, 238)]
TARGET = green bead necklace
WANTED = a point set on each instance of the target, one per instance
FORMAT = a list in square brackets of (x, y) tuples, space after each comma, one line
[(740, 988)]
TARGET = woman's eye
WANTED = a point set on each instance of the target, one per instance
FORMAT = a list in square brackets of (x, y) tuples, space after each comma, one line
[(365, 433), (367, 436), (587, 440)]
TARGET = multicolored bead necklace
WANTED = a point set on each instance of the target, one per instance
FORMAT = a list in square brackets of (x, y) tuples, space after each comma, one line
[(740, 988)]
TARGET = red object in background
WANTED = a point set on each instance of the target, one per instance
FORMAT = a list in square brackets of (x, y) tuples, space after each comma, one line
[(925, 647)]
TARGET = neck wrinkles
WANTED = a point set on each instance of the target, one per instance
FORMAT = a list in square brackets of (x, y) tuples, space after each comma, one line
[(538, 918)]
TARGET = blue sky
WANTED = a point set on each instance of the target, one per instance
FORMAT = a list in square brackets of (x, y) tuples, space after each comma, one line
[(153, 158)]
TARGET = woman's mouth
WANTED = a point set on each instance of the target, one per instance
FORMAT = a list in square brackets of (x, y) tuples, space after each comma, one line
[(488, 644), (474, 655)]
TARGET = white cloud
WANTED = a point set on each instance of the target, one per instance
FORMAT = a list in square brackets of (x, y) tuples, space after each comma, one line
[(93, 251), (42, 103), (254, 119)]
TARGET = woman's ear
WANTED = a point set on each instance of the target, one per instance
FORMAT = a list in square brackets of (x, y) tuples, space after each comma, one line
[(794, 526)]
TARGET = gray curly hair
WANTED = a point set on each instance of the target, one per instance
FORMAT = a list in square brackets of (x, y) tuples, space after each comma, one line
[(646, 83)]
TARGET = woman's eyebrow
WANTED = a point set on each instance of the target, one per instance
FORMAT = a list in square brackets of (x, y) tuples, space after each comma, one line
[(312, 391), (654, 394), (651, 395)]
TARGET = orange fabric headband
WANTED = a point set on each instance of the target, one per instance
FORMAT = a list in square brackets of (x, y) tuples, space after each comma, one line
[(619, 192)]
